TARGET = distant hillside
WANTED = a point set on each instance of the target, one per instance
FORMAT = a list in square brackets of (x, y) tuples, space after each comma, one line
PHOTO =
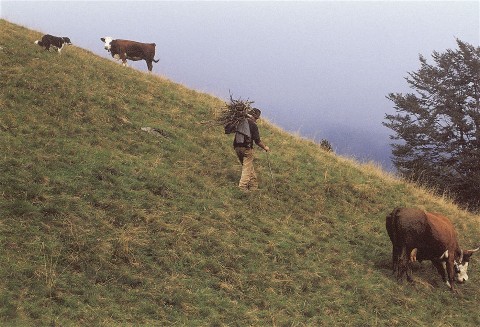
[(104, 224)]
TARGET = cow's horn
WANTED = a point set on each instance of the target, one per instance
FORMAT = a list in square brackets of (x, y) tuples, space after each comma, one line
[(470, 252)]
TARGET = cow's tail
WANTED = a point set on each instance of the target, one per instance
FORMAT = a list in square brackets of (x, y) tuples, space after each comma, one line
[(395, 224), (392, 220), (392, 224), (155, 61)]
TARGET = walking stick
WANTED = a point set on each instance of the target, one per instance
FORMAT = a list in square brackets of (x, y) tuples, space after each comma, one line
[(271, 173)]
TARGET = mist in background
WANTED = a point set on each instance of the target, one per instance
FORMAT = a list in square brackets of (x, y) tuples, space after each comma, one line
[(320, 69)]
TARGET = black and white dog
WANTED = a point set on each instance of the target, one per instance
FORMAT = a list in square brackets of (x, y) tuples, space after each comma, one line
[(57, 43)]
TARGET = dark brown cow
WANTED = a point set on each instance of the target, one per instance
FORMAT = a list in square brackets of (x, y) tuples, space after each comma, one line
[(419, 235), (131, 50)]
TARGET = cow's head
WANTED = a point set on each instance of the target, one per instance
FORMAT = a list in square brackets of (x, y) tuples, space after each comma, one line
[(67, 40), (461, 266), (107, 40)]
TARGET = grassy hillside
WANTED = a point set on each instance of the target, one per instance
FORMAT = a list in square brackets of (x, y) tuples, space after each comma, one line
[(103, 224)]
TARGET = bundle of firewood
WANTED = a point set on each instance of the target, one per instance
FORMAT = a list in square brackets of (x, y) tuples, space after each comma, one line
[(234, 112)]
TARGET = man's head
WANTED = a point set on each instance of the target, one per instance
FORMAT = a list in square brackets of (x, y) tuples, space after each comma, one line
[(255, 113)]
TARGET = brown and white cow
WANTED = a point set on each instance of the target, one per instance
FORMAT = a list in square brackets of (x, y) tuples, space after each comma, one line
[(419, 235), (56, 42), (131, 50)]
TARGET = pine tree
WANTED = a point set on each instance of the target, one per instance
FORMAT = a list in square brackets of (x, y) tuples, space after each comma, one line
[(437, 128)]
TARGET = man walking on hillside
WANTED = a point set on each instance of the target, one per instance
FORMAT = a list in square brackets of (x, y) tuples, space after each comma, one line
[(247, 133)]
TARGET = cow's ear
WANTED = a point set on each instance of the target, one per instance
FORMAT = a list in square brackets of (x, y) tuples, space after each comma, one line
[(103, 39)]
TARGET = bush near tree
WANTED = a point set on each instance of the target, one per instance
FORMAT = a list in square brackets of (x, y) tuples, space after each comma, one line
[(326, 145), (437, 128)]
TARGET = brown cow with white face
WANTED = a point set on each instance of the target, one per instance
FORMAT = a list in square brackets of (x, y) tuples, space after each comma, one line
[(419, 235), (131, 50)]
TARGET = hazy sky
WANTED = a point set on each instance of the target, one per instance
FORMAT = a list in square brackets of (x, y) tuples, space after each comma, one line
[(320, 68)]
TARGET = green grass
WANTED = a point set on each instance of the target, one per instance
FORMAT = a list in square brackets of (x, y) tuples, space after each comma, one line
[(103, 224)]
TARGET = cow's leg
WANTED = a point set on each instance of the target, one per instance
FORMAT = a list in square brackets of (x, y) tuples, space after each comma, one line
[(408, 263), (394, 259), (149, 65), (451, 272), (402, 263), (409, 271), (440, 266), (123, 57), (396, 255)]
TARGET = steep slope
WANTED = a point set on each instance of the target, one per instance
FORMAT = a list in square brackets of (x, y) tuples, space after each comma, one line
[(104, 224)]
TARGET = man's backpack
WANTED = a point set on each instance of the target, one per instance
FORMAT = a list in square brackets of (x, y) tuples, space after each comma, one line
[(243, 134)]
